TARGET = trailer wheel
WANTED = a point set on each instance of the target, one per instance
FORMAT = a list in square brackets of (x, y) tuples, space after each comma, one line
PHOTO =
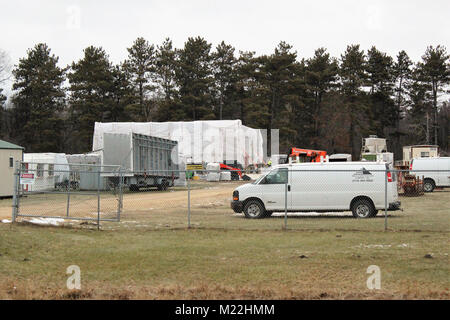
[(134, 187), (363, 209), (163, 186), (254, 209), (428, 185)]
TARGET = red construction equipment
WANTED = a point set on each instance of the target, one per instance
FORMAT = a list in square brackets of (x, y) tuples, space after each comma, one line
[(235, 173), (306, 155)]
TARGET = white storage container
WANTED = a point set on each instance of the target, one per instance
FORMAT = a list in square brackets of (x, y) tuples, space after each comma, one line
[(213, 166), (213, 176), (225, 176)]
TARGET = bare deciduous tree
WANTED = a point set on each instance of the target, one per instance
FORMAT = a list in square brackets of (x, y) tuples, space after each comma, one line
[(5, 66)]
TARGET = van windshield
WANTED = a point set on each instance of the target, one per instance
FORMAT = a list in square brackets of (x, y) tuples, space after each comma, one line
[(260, 178), (275, 176)]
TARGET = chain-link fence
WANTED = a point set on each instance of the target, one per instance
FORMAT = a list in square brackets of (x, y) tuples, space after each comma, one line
[(370, 198), (70, 192)]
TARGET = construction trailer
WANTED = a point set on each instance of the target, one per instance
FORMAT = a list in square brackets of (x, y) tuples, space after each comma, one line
[(417, 151), (144, 161), (49, 169), (9, 155)]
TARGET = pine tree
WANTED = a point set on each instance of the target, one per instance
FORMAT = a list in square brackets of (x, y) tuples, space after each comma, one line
[(380, 78), (402, 76), (91, 86), (169, 105), (122, 94), (434, 72), (419, 110), (225, 78), (279, 77), (141, 66), (194, 78), (352, 74), (165, 68), (38, 101), (320, 77)]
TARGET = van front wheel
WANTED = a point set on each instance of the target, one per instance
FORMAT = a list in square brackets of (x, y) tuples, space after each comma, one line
[(253, 209), (362, 209)]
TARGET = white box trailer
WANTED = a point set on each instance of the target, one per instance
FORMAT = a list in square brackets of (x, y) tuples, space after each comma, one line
[(50, 169), (144, 161)]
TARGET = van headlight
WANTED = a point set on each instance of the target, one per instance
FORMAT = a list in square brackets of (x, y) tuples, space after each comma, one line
[(235, 195)]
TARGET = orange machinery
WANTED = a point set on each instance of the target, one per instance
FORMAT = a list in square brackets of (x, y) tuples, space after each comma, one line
[(306, 155)]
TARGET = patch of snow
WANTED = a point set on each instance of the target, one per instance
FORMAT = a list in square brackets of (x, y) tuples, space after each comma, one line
[(46, 221), (370, 246)]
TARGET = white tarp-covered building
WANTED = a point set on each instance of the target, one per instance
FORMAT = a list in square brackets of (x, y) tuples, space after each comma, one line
[(198, 141)]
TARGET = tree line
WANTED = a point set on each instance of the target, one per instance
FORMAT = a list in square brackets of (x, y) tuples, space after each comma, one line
[(321, 102)]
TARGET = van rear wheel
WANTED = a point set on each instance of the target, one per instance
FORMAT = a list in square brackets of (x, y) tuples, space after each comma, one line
[(428, 185), (254, 209), (363, 209)]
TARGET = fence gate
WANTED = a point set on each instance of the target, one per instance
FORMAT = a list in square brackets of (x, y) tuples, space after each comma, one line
[(63, 191)]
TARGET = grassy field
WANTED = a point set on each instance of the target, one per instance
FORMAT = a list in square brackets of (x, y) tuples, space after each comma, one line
[(151, 254)]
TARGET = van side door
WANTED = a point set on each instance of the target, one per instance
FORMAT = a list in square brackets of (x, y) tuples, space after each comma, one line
[(308, 190), (272, 189)]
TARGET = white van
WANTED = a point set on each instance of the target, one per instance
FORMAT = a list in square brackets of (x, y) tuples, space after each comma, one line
[(432, 180), (321, 187)]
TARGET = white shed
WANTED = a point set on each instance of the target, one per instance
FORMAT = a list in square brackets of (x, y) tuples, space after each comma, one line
[(49, 169)]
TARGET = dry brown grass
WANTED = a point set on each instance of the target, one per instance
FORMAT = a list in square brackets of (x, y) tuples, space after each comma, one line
[(29, 291), (151, 255)]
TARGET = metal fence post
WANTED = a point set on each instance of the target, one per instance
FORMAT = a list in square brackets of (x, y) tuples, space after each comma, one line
[(385, 200), (68, 196), (285, 206), (15, 192), (120, 194), (189, 199), (98, 200)]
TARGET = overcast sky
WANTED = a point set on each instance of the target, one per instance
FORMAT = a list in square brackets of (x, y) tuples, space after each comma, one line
[(257, 25)]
